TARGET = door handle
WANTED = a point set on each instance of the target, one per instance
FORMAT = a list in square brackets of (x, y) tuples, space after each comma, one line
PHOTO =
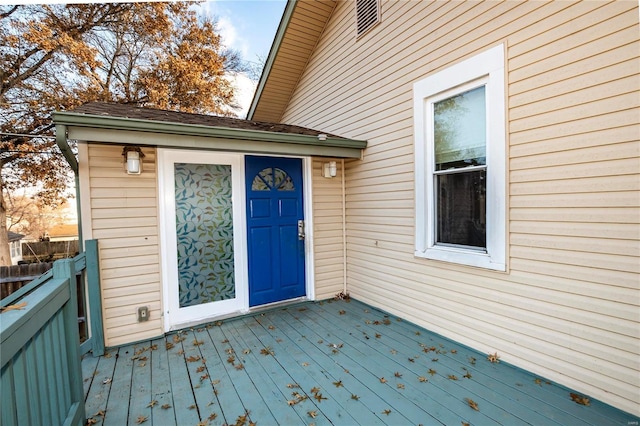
[(301, 235)]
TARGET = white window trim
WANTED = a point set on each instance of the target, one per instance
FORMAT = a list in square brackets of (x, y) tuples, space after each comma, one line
[(485, 68)]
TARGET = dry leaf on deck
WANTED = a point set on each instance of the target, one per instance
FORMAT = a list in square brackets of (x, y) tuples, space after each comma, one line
[(422, 379), (383, 380), (165, 406), (472, 404), (141, 419), (152, 403), (91, 421), (397, 374), (579, 399), (312, 414), (494, 358), (15, 307), (432, 371), (338, 383), (387, 412), (354, 396)]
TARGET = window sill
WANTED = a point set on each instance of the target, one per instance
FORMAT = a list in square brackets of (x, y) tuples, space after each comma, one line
[(478, 259)]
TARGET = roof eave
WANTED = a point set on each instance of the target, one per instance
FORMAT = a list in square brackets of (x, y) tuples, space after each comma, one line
[(71, 119), (273, 53)]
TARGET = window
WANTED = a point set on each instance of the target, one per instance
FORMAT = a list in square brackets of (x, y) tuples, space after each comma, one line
[(459, 126), (367, 15)]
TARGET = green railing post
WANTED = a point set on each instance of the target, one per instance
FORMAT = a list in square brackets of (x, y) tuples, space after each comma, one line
[(95, 297), (65, 269)]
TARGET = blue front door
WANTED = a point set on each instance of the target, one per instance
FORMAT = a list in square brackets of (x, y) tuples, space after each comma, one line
[(275, 229)]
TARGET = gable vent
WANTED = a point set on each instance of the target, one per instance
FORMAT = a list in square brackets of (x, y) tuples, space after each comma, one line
[(367, 15)]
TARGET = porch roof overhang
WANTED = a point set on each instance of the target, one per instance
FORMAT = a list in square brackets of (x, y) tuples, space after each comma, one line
[(238, 135)]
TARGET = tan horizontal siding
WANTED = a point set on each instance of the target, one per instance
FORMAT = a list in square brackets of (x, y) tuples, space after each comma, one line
[(328, 231), (569, 306), (124, 219)]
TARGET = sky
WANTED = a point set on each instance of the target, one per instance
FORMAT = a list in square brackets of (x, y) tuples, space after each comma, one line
[(249, 27)]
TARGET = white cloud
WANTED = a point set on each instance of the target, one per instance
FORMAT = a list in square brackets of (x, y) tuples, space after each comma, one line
[(230, 37), (244, 90)]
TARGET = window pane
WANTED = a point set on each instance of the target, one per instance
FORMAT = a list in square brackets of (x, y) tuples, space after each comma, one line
[(204, 228), (460, 130), (461, 209)]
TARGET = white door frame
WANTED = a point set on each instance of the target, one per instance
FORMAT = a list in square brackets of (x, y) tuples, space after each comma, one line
[(175, 317)]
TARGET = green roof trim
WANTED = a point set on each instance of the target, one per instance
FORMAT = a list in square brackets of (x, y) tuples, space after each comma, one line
[(104, 128), (282, 28)]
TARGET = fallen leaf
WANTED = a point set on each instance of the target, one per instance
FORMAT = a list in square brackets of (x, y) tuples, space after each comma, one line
[(315, 390), (312, 414), (378, 335), (467, 375), (293, 385), (292, 402), (338, 383), (453, 351), (465, 424), (319, 397), (200, 369), (180, 352), (197, 342), (411, 360), (397, 374), (177, 338), (383, 380), (229, 351), (354, 396), (212, 416), (452, 377), (141, 419), (100, 413), (225, 341), (239, 366), (387, 412), (266, 351), (271, 327), (106, 381), (579, 399), (246, 351), (165, 406), (434, 359), (342, 312), (422, 379), (472, 360), (472, 404), (231, 360), (192, 407), (91, 421), (305, 364), (193, 358), (168, 345), (432, 371), (205, 377), (417, 333), (16, 307), (152, 403), (494, 358), (537, 382), (400, 386)]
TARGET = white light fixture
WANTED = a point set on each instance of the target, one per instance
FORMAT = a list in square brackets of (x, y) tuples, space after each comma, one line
[(133, 156), (329, 169), (322, 137)]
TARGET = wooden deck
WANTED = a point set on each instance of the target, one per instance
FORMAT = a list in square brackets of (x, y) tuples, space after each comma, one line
[(332, 362)]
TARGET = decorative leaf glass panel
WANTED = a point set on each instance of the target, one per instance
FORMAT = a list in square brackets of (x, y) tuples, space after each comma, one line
[(204, 227)]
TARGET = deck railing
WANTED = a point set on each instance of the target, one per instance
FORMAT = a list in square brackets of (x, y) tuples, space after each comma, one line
[(41, 376)]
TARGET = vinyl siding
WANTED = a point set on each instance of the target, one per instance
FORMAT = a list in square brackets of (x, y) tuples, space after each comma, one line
[(328, 241), (568, 307), (124, 218)]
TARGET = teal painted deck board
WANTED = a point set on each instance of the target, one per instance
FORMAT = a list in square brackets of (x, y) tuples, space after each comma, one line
[(249, 398), (100, 384), (117, 413), (181, 390), (299, 336), (163, 412), (270, 386), (140, 399)]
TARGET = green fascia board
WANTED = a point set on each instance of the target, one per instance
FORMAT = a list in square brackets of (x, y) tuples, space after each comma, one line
[(282, 28), (138, 125)]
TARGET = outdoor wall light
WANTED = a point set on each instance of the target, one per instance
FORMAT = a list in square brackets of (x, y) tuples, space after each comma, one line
[(329, 169), (133, 156)]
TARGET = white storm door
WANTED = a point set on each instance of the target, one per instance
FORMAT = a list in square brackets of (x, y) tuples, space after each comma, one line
[(203, 235)]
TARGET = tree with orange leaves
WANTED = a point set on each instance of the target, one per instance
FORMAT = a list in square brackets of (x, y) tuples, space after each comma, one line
[(57, 57)]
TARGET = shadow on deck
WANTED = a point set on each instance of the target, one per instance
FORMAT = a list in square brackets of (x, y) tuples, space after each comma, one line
[(341, 363)]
